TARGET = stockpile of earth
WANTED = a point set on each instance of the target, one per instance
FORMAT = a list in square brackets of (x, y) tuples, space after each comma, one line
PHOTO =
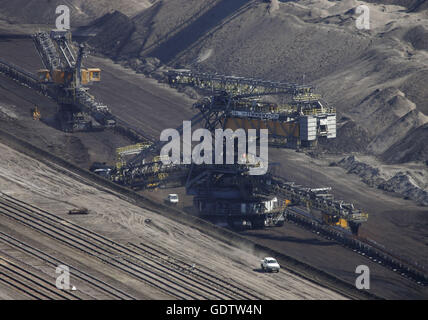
[(410, 183), (375, 78)]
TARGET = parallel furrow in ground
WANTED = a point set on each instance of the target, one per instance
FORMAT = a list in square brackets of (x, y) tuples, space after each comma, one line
[(170, 280)]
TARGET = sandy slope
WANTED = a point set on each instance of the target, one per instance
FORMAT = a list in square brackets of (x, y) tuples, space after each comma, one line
[(41, 185), (374, 78)]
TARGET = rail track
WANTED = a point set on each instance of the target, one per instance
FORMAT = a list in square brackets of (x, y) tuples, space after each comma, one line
[(29, 283), (195, 271), (176, 282), (362, 246), (107, 290)]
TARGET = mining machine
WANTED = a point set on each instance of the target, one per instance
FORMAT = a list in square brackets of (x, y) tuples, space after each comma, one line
[(229, 193), (236, 102), (65, 80)]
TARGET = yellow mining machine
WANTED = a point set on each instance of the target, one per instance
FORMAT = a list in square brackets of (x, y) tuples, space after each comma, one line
[(235, 102), (229, 192), (65, 78)]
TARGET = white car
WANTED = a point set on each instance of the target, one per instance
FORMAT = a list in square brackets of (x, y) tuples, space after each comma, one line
[(270, 264), (172, 198)]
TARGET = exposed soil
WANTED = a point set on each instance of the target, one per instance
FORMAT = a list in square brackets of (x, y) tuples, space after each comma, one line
[(374, 78), (152, 107), (32, 181)]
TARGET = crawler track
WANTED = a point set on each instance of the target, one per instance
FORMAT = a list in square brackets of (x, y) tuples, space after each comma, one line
[(29, 80), (362, 246), (173, 281)]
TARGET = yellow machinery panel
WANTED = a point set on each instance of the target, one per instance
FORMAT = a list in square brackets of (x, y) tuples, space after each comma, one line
[(59, 76), (342, 223), (43, 75), (84, 76), (94, 74), (276, 128), (339, 222)]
